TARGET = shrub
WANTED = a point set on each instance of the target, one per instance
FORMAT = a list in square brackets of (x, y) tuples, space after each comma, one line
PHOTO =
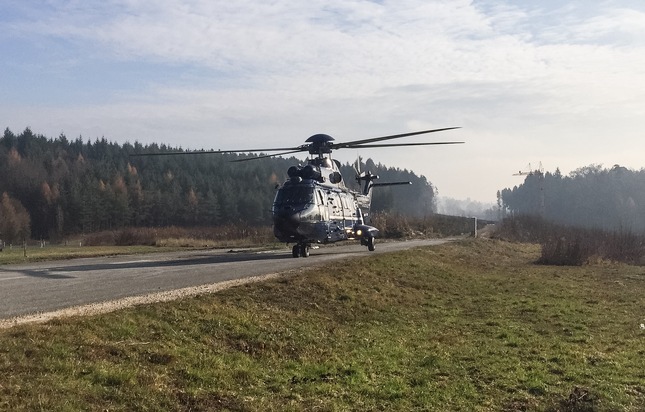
[(564, 252), (565, 245), (395, 226), (154, 236), (136, 236)]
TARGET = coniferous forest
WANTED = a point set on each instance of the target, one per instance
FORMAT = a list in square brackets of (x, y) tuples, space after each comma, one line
[(589, 197), (51, 188)]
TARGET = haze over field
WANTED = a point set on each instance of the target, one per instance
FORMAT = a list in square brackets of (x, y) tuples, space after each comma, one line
[(556, 82)]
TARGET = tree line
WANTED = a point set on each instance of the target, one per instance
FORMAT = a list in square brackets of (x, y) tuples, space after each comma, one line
[(590, 197), (54, 187)]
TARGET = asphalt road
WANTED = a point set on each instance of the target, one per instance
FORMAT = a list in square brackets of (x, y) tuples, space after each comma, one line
[(49, 286)]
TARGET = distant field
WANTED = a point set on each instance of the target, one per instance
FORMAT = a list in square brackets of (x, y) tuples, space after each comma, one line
[(473, 325)]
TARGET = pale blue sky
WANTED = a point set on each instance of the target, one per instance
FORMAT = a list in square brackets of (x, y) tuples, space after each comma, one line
[(552, 81)]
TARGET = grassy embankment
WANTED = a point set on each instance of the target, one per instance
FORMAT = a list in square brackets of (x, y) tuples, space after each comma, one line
[(467, 326)]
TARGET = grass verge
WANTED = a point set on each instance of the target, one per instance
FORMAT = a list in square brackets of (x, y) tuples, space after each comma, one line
[(468, 326)]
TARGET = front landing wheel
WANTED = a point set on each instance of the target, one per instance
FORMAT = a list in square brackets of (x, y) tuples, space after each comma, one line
[(295, 252), (370, 244)]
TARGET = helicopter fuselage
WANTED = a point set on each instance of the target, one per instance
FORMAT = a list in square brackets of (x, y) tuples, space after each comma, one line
[(314, 206)]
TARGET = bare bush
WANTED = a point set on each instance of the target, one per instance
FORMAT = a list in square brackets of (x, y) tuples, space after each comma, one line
[(564, 252), (135, 236), (624, 247), (202, 235), (395, 226), (564, 245), (104, 238)]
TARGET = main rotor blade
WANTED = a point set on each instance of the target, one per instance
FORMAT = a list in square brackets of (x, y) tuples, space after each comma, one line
[(379, 139), (265, 156), (199, 152), (277, 149), (400, 144)]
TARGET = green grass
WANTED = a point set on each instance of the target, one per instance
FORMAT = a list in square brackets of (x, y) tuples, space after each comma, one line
[(472, 326)]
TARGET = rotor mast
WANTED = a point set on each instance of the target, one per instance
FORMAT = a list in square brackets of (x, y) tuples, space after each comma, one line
[(319, 145)]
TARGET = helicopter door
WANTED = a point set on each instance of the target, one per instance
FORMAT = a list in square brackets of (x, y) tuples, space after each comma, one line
[(331, 205), (347, 214), (335, 210), (322, 206)]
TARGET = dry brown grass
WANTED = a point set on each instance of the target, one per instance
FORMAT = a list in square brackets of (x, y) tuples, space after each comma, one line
[(184, 236)]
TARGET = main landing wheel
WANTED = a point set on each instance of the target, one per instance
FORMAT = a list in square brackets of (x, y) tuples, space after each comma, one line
[(301, 250)]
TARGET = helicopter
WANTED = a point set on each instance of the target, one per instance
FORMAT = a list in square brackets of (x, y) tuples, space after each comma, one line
[(314, 206)]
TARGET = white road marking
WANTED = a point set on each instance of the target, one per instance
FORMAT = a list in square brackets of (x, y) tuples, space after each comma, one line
[(13, 278)]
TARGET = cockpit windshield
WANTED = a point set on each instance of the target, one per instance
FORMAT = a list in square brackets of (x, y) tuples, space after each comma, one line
[(292, 195)]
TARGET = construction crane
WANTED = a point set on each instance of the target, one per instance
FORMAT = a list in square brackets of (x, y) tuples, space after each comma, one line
[(539, 170), (540, 173)]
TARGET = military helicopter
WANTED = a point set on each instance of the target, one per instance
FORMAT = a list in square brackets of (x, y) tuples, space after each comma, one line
[(314, 206)]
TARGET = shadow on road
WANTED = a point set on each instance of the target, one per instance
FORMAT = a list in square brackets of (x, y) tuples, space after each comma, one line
[(50, 273), (63, 271)]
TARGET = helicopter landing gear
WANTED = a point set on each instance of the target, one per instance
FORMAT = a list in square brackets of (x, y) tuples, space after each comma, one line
[(370, 244), (300, 250)]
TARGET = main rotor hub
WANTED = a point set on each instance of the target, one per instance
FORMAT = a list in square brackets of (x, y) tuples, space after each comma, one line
[(319, 144)]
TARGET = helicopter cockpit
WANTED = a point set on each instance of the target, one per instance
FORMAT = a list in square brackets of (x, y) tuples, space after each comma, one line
[(294, 195)]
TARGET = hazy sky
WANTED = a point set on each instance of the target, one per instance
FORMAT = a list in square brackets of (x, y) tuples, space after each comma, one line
[(557, 82)]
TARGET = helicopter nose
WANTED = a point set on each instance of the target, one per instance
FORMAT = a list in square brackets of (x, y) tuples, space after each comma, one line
[(287, 220)]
